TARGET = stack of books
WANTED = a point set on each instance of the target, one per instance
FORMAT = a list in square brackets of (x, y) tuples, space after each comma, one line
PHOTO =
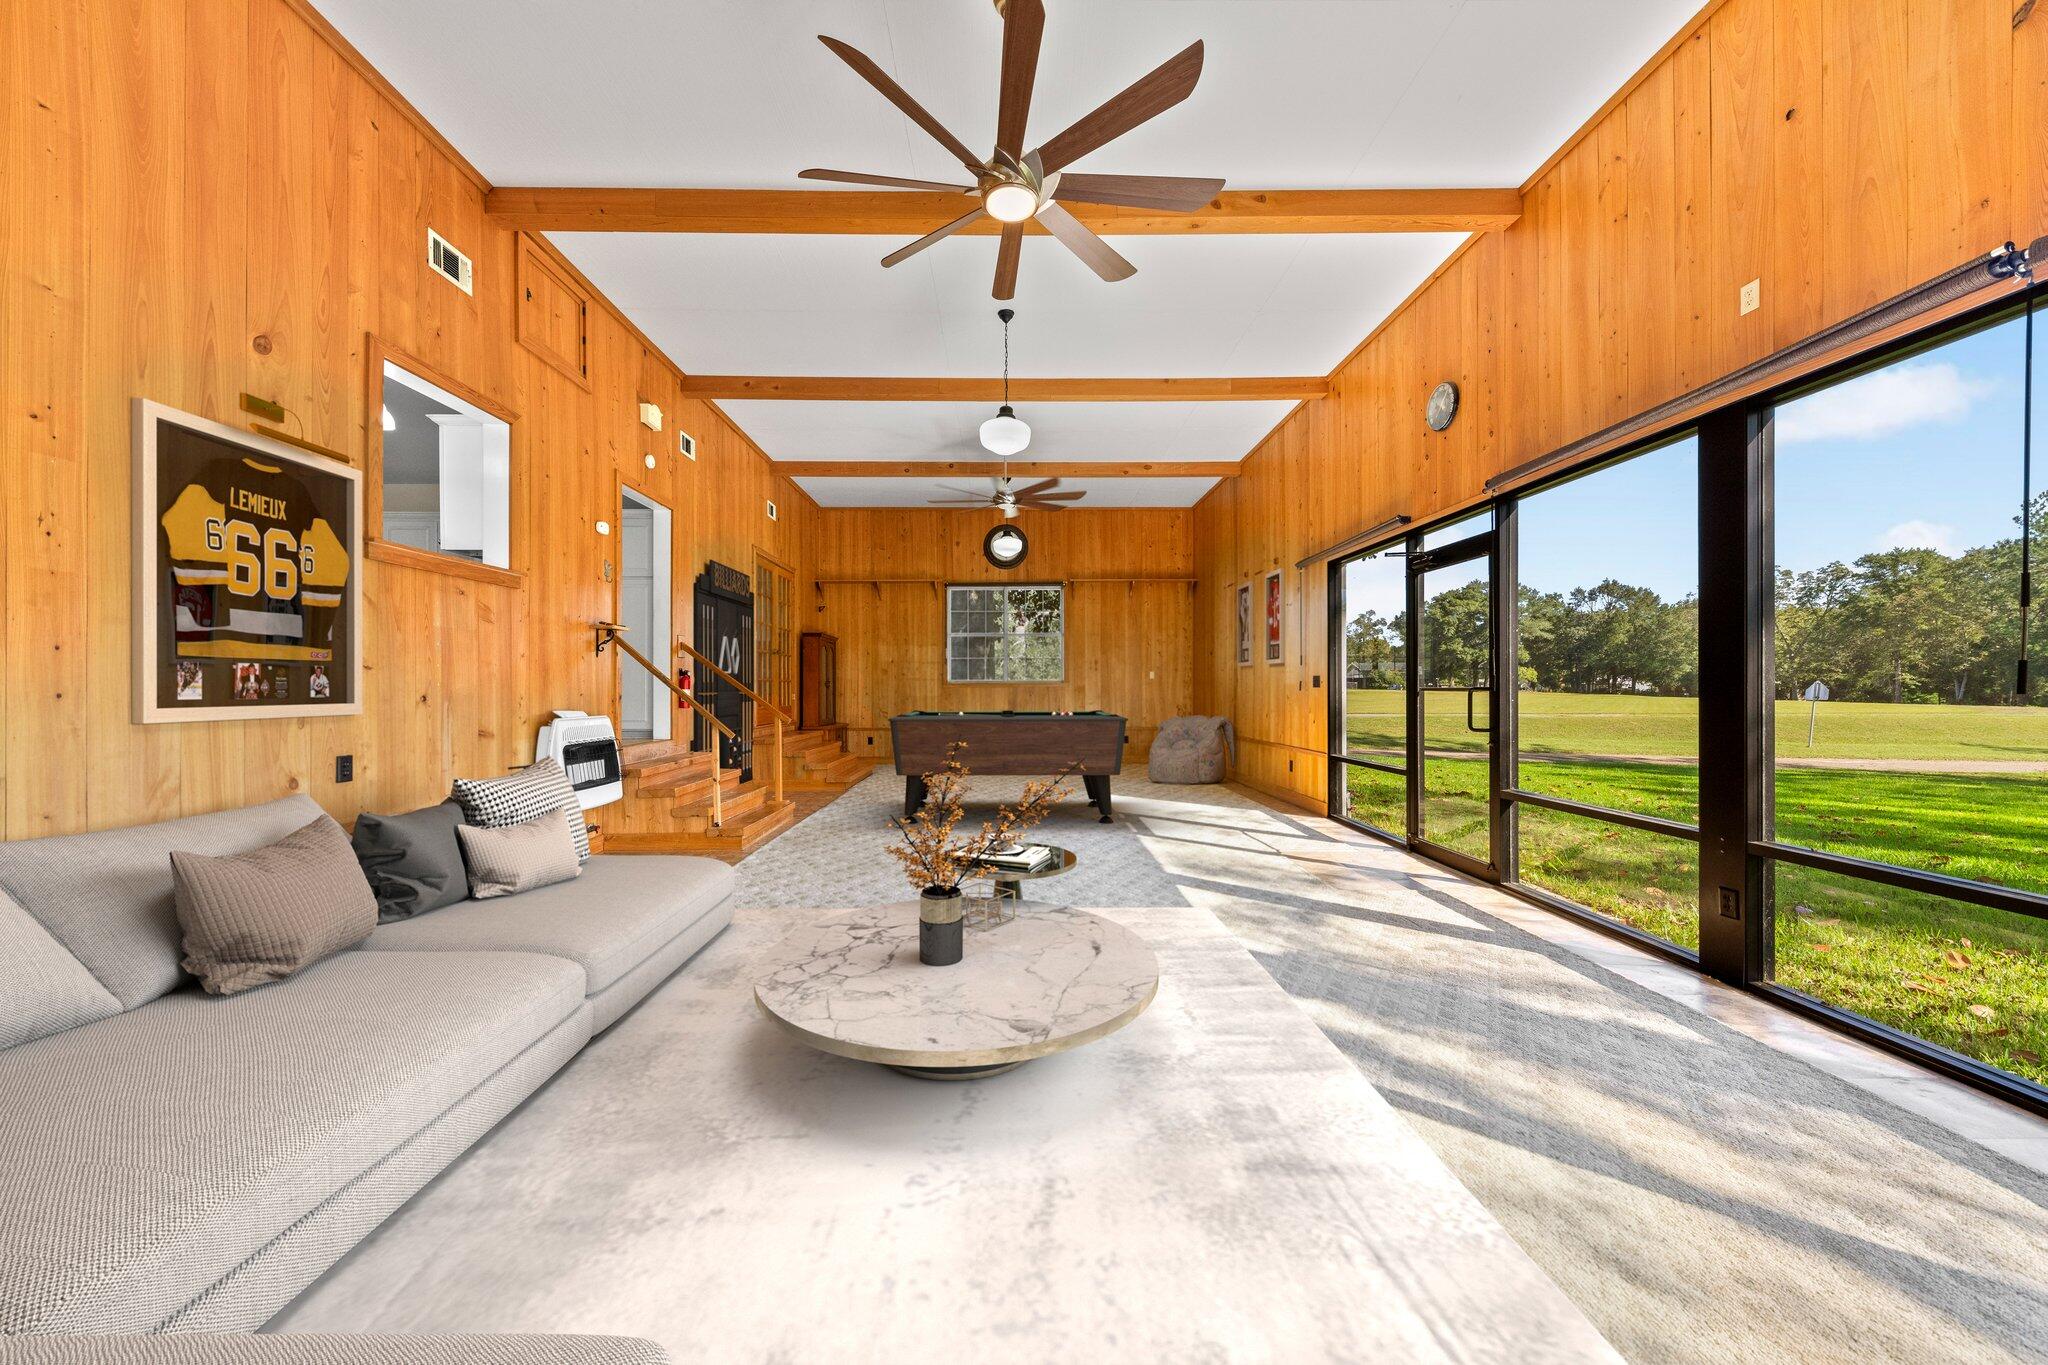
[(1019, 858)]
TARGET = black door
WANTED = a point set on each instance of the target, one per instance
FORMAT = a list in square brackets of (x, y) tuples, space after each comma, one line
[(725, 635)]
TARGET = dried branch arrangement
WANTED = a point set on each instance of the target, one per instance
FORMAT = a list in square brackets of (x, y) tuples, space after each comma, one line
[(930, 856)]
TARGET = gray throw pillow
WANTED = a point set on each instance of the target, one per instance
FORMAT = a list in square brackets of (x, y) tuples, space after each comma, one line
[(494, 802), (252, 918), (515, 858), (413, 861)]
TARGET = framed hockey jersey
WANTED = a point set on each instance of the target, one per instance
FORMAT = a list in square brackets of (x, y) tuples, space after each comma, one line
[(248, 577)]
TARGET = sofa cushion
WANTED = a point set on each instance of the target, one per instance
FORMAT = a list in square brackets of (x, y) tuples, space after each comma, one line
[(412, 861), (251, 919), (493, 802), (516, 858), (622, 910), (106, 896), (43, 988), (150, 1153)]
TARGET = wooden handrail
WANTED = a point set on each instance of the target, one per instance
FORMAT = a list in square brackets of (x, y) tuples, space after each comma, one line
[(745, 690), (609, 632)]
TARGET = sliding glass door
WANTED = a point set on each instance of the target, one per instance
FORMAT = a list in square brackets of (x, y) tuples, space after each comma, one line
[(1450, 595), (1412, 721)]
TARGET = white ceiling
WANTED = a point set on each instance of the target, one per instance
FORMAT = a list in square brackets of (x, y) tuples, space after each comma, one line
[(1294, 93), (917, 492)]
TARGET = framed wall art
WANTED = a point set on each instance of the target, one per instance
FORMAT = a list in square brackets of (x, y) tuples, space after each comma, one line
[(1274, 599), (248, 578), (1244, 623)]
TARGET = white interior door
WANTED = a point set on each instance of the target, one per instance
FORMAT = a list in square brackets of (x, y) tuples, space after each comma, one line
[(644, 592)]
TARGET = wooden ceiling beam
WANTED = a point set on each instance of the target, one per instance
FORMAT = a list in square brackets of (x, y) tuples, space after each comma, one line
[(988, 469), (912, 213), (891, 389)]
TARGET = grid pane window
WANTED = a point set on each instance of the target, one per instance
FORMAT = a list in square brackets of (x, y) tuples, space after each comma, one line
[(1005, 634)]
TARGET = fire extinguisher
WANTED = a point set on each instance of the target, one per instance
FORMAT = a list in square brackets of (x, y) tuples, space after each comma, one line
[(683, 681)]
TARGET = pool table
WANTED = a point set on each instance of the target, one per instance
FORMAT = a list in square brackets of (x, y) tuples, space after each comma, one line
[(1010, 744)]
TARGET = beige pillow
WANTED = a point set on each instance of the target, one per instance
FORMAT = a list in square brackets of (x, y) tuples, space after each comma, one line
[(252, 918), (514, 858)]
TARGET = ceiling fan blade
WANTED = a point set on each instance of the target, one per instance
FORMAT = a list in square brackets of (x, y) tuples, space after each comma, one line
[(956, 502), (1033, 490), (1098, 255), (896, 95), (1167, 85), (1074, 496), (969, 492), (891, 181), (1006, 258), (904, 253), (1023, 27), (1178, 193)]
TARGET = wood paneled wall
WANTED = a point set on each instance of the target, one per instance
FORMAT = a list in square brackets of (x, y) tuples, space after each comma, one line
[(1130, 643), (1838, 151), (210, 196)]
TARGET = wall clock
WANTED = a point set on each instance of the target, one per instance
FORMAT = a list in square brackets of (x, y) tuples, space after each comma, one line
[(1004, 546), (1443, 406)]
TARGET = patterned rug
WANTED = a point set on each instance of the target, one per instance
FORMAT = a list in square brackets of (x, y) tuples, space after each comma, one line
[(1703, 1197)]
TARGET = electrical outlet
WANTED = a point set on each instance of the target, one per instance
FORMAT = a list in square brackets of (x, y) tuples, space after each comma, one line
[(871, 741), (344, 767), (1752, 297), (1316, 681), (1731, 903)]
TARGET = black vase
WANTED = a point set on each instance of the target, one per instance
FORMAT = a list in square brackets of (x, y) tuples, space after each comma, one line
[(940, 922)]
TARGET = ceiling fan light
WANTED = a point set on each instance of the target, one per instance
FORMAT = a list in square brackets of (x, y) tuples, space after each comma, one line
[(1005, 433), (1010, 203)]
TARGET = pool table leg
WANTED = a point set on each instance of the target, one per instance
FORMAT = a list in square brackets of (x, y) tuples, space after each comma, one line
[(1098, 794), (913, 796)]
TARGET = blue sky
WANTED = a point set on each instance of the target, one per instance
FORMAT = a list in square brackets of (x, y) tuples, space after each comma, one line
[(1925, 452)]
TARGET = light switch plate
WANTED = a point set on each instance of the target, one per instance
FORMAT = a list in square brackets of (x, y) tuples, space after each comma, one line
[(1752, 297)]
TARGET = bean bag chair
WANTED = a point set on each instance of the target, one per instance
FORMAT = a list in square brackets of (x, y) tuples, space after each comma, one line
[(1191, 749)]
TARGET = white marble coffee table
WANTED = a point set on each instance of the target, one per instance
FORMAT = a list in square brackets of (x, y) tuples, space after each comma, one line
[(1046, 981)]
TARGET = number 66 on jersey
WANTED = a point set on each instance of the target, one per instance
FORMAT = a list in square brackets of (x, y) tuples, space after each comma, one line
[(248, 578)]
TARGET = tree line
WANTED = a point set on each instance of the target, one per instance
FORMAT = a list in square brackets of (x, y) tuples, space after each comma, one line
[(1906, 625)]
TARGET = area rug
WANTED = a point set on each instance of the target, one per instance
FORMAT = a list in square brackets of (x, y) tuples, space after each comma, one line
[(1702, 1196)]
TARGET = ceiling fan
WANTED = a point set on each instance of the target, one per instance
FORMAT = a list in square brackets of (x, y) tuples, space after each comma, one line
[(1006, 434), (1014, 185)]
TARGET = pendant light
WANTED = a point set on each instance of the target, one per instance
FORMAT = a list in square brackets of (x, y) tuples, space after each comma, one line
[(1005, 434)]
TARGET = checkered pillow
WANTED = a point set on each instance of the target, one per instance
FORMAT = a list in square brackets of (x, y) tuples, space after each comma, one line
[(495, 802)]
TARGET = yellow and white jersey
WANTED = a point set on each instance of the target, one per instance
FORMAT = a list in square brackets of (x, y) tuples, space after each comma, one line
[(258, 571)]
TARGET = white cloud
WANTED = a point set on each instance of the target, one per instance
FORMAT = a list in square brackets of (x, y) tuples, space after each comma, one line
[(1882, 403), (1921, 535)]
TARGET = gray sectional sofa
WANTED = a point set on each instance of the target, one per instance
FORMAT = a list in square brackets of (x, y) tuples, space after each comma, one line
[(178, 1162)]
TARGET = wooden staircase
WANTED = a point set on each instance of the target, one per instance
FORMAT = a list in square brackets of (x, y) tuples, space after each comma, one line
[(667, 806), (817, 760)]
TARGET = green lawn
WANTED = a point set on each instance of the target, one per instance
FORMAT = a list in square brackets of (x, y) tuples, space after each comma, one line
[(1656, 727), (1971, 979)]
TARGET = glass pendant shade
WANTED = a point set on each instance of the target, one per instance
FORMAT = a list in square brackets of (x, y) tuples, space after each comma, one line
[(1005, 433)]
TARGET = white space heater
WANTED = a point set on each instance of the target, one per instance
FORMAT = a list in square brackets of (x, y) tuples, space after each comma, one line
[(588, 751)]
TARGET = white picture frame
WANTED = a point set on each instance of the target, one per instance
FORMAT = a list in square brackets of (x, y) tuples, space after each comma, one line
[(150, 706)]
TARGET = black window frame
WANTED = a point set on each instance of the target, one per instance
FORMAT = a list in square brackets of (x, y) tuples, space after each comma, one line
[(1736, 853)]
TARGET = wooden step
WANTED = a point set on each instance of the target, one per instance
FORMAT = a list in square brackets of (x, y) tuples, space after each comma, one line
[(850, 769), (695, 789), (802, 742), (739, 835), (649, 753), (665, 779)]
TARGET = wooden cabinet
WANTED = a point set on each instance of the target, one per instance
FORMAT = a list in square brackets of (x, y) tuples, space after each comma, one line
[(818, 681)]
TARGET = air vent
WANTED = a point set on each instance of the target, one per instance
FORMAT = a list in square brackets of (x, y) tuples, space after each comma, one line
[(450, 262), (687, 444), (771, 511)]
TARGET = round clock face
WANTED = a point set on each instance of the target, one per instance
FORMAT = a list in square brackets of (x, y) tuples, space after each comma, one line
[(1004, 546), (1443, 406)]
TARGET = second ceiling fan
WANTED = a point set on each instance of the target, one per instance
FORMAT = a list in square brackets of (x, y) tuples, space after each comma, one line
[(1014, 185)]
